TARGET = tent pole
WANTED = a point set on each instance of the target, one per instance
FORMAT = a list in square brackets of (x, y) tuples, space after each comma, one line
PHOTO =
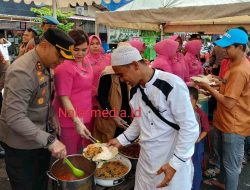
[(108, 32), (162, 31), (54, 8), (97, 28)]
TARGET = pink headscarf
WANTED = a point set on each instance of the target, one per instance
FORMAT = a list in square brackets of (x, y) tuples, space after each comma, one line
[(166, 51), (98, 62), (101, 49), (175, 37), (139, 45), (179, 66), (193, 50)]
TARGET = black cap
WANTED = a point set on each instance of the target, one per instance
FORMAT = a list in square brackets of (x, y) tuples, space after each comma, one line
[(62, 41)]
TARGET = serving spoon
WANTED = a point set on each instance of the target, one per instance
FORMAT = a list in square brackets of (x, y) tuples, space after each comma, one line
[(93, 140), (77, 172)]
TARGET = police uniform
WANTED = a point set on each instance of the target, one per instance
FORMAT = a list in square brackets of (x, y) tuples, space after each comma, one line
[(33, 42), (24, 120), (35, 33), (3, 67)]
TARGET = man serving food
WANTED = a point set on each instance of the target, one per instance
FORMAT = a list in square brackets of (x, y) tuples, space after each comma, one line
[(167, 125)]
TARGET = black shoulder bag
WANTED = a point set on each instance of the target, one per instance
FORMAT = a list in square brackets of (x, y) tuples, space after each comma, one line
[(156, 111)]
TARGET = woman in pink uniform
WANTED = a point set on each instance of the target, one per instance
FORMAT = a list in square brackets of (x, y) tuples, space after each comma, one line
[(166, 51), (73, 96), (98, 60), (179, 66), (139, 45), (192, 57)]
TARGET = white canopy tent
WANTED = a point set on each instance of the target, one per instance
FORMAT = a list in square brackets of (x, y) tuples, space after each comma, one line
[(190, 14)]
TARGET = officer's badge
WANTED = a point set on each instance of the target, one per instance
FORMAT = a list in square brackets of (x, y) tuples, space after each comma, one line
[(39, 66), (40, 101)]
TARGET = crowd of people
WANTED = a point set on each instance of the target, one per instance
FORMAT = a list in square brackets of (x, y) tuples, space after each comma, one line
[(63, 88)]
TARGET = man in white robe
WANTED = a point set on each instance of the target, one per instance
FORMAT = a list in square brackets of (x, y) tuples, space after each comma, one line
[(166, 146)]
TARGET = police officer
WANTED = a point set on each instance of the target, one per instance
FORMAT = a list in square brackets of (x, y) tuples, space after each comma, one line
[(3, 67), (30, 33), (24, 128), (48, 22)]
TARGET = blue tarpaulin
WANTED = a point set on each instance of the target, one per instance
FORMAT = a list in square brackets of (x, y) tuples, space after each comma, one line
[(112, 5)]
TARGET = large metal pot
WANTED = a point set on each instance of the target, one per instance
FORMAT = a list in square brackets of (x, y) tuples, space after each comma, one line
[(59, 168)]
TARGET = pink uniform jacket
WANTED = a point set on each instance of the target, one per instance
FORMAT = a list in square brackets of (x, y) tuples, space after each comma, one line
[(75, 82), (139, 45), (166, 51), (179, 66), (193, 51)]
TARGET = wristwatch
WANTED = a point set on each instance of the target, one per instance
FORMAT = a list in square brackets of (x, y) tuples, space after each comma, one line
[(50, 140)]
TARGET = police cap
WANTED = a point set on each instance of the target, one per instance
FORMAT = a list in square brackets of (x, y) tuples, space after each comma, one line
[(34, 30), (50, 20), (62, 41)]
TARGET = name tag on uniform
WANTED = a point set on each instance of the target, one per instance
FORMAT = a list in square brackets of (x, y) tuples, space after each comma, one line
[(43, 85)]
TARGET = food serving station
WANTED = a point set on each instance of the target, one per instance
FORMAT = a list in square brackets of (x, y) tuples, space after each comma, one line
[(112, 171)]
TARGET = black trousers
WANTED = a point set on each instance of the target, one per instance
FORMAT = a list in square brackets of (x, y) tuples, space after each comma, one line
[(26, 169)]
